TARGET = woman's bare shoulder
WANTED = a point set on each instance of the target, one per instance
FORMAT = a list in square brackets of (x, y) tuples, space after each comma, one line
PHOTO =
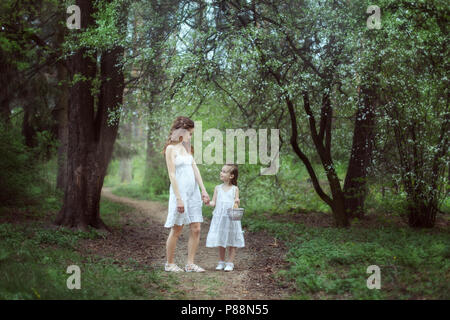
[(170, 149)]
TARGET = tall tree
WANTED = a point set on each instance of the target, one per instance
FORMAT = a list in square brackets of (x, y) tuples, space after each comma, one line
[(62, 105), (91, 133)]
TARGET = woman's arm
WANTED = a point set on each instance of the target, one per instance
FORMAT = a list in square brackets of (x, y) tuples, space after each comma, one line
[(198, 177), (170, 161)]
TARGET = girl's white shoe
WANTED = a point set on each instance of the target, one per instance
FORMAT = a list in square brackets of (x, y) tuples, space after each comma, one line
[(193, 268), (229, 266), (221, 265), (172, 267)]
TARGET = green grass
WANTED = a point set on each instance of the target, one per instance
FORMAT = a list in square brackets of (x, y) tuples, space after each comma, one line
[(34, 260), (110, 212), (331, 263)]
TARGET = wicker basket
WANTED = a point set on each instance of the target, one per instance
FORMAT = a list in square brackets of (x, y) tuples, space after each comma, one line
[(235, 213)]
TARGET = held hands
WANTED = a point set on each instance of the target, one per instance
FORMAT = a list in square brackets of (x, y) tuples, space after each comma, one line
[(236, 203), (180, 203)]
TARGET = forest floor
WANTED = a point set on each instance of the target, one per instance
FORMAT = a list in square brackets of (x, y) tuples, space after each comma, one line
[(288, 255), (142, 237)]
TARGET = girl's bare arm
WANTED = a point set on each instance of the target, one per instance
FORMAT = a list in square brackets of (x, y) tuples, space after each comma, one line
[(236, 197), (212, 203)]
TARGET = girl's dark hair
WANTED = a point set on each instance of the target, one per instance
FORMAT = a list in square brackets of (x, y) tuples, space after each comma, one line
[(179, 123), (234, 171)]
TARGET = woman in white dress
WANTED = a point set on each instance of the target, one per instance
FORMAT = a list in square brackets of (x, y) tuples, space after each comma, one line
[(185, 201)]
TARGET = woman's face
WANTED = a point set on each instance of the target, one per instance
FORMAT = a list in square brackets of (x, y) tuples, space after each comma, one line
[(188, 135)]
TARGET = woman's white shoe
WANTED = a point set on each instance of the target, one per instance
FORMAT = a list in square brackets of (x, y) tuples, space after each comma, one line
[(229, 266), (193, 268), (221, 265), (172, 267)]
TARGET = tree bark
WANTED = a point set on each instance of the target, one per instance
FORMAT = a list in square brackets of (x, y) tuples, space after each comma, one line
[(324, 151), (90, 136), (62, 109), (336, 202), (125, 162), (421, 214), (355, 185), (5, 84)]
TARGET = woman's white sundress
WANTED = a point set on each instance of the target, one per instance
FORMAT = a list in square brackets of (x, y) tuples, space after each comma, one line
[(189, 191), (224, 232)]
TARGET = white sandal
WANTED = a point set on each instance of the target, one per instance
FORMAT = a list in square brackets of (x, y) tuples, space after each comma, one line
[(193, 268), (172, 267), (229, 266), (220, 265)]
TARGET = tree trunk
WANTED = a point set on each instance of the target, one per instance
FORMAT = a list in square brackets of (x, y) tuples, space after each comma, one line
[(336, 202), (5, 91), (355, 185), (90, 136), (125, 162), (125, 170), (74, 212), (152, 161), (421, 215), (62, 107), (28, 130)]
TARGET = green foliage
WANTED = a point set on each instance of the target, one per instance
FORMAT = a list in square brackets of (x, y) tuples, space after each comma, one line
[(332, 263), (107, 32), (413, 116), (110, 213), (18, 172), (34, 260), (62, 237), (391, 202)]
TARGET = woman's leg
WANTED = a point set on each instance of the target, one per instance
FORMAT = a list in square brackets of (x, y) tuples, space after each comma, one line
[(222, 253), (231, 253), (172, 242), (194, 239)]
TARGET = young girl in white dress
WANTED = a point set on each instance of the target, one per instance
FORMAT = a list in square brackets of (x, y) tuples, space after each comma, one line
[(224, 232)]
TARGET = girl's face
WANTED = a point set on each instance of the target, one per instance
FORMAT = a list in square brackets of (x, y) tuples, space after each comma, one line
[(225, 174)]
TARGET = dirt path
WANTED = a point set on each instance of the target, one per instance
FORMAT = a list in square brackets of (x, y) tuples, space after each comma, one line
[(142, 238)]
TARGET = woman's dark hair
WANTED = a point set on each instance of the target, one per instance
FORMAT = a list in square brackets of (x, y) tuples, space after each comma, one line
[(234, 171), (179, 123)]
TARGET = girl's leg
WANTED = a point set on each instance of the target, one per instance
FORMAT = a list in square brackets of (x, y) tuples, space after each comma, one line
[(194, 239), (222, 253), (172, 242), (231, 253)]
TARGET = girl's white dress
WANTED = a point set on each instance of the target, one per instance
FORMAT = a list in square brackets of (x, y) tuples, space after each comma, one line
[(189, 191), (224, 232)]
